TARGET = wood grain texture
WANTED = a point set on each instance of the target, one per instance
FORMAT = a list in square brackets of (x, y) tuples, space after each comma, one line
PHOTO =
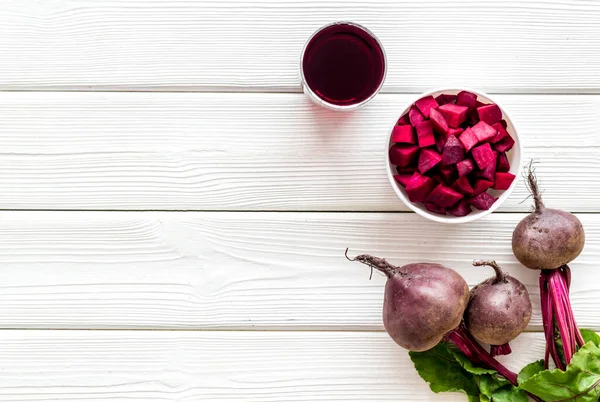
[(181, 151), (127, 366), (500, 45), (263, 271)]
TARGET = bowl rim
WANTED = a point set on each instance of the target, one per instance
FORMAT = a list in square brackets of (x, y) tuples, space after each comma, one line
[(477, 214)]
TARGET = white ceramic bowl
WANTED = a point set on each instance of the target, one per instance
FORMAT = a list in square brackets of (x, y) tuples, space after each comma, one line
[(515, 156)]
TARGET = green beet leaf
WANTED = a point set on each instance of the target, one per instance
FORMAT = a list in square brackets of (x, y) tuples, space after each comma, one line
[(508, 393), (439, 368), (468, 365), (579, 383), (530, 370), (488, 384), (590, 336)]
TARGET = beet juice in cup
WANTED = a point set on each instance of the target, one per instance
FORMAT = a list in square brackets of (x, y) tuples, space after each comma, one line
[(343, 66)]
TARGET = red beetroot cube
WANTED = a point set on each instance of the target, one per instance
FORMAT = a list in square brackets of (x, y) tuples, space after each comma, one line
[(408, 169), (466, 98), (403, 155), (443, 99), (489, 113), (404, 178), (435, 208), (482, 201), (402, 121), (443, 196), (404, 134), (465, 167), (419, 187), (503, 163), (454, 114), (438, 122), (426, 104), (428, 159), (501, 132), (490, 170), (455, 131), (448, 174), (425, 134), (484, 156), (483, 131), (482, 185), (440, 142), (503, 180), (453, 151), (415, 116), (462, 208), (463, 186), (468, 139), (504, 144)]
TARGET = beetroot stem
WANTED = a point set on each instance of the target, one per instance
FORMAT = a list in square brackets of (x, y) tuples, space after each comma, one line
[(500, 275)]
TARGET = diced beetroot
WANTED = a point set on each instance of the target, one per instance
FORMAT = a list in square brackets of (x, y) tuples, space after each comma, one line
[(462, 208), (426, 104), (465, 167), (403, 155), (415, 116), (503, 180), (440, 141), (428, 159), (463, 185), (448, 174), (483, 131), (454, 114), (501, 132), (466, 98), (468, 139), (455, 131), (435, 175), (419, 187), (443, 99), (425, 134), (490, 113), (503, 163), (453, 151), (481, 185), (435, 208), (404, 178), (484, 156), (402, 121), (490, 170), (443, 196), (404, 134), (482, 201), (404, 170), (504, 123), (438, 122), (472, 118), (504, 144)]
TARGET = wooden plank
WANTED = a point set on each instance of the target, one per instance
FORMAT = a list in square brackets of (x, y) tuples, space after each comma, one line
[(500, 45), (278, 271), (136, 366), (180, 151)]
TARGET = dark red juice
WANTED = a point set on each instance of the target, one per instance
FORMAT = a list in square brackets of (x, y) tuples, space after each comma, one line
[(343, 64)]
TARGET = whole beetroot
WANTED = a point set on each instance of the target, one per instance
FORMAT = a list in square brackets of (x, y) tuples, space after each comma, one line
[(499, 310), (547, 238)]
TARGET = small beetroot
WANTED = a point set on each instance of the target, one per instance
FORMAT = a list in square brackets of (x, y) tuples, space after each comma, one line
[(415, 116), (483, 156), (465, 167), (443, 196), (403, 155), (482, 201), (462, 208), (468, 139), (454, 114), (419, 187), (425, 134), (503, 180), (404, 134), (428, 159), (425, 104), (489, 113), (438, 122), (503, 164), (453, 151)]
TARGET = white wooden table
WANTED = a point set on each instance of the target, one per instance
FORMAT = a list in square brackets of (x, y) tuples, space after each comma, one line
[(174, 211)]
